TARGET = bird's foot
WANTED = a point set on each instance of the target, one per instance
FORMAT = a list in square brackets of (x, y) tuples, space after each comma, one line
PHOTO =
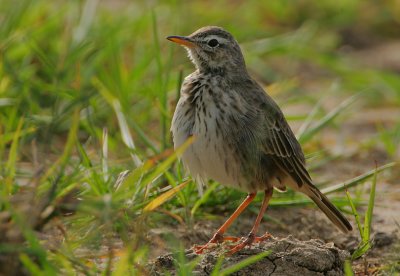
[(217, 238), (251, 238)]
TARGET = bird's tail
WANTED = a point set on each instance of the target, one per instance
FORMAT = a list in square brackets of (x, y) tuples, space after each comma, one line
[(328, 208)]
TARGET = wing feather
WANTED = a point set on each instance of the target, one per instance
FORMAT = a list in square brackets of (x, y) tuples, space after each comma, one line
[(281, 144)]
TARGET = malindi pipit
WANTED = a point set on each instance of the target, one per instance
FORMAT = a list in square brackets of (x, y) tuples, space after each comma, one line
[(242, 139)]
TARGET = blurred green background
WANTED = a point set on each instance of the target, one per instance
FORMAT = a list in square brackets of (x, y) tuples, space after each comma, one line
[(88, 88)]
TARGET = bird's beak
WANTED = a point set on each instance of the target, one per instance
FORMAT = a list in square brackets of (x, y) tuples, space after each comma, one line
[(183, 40)]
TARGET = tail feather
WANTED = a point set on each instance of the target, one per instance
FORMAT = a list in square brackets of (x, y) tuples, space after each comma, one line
[(328, 208)]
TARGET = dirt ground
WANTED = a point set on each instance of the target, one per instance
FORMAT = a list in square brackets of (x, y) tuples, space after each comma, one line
[(303, 224)]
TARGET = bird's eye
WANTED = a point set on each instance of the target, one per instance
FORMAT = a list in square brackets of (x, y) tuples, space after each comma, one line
[(213, 42)]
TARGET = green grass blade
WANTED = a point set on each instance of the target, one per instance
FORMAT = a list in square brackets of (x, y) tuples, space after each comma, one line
[(356, 180), (217, 266), (16, 13), (30, 265), (309, 133), (365, 232), (104, 155), (66, 155), (370, 210), (361, 250), (94, 179), (348, 271), (307, 122), (10, 136), (355, 213), (12, 158), (122, 266), (160, 85), (142, 135), (204, 198)]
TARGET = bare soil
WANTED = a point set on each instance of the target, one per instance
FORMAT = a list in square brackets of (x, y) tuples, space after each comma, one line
[(303, 224)]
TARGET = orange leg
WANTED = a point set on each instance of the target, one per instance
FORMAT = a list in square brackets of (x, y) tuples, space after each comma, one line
[(252, 235), (219, 235)]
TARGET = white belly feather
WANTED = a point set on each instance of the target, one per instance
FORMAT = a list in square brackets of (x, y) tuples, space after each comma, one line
[(206, 157)]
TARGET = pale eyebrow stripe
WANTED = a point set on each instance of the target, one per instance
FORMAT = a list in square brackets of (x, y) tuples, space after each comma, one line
[(220, 39)]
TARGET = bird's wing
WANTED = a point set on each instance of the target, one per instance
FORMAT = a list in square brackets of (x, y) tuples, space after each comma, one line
[(281, 144)]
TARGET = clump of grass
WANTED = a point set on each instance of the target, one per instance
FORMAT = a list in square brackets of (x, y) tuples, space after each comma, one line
[(364, 230)]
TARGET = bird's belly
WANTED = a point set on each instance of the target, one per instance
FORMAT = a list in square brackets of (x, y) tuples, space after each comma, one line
[(209, 156), (208, 159)]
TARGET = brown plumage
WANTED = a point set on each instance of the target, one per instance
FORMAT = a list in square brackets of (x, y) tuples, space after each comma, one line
[(242, 139)]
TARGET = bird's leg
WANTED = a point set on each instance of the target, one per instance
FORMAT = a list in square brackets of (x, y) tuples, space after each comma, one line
[(251, 238), (219, 235)]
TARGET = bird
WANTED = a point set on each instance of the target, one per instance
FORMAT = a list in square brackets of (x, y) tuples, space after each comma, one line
[(241, 138)]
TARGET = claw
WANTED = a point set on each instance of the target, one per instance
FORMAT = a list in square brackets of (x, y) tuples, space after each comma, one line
[(232, 239), (248, 241), (199, 249), (264, 237), (219, 235), (218, 238)]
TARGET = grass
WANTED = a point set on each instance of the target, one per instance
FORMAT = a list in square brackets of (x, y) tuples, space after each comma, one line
[(365, 231), (87, 90)]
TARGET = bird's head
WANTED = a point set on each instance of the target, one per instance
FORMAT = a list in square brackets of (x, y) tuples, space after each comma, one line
[(212, 49)]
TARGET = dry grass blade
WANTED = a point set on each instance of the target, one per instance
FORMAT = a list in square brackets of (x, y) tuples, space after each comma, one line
[(126, 135), (162, 167), (164, 197)]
